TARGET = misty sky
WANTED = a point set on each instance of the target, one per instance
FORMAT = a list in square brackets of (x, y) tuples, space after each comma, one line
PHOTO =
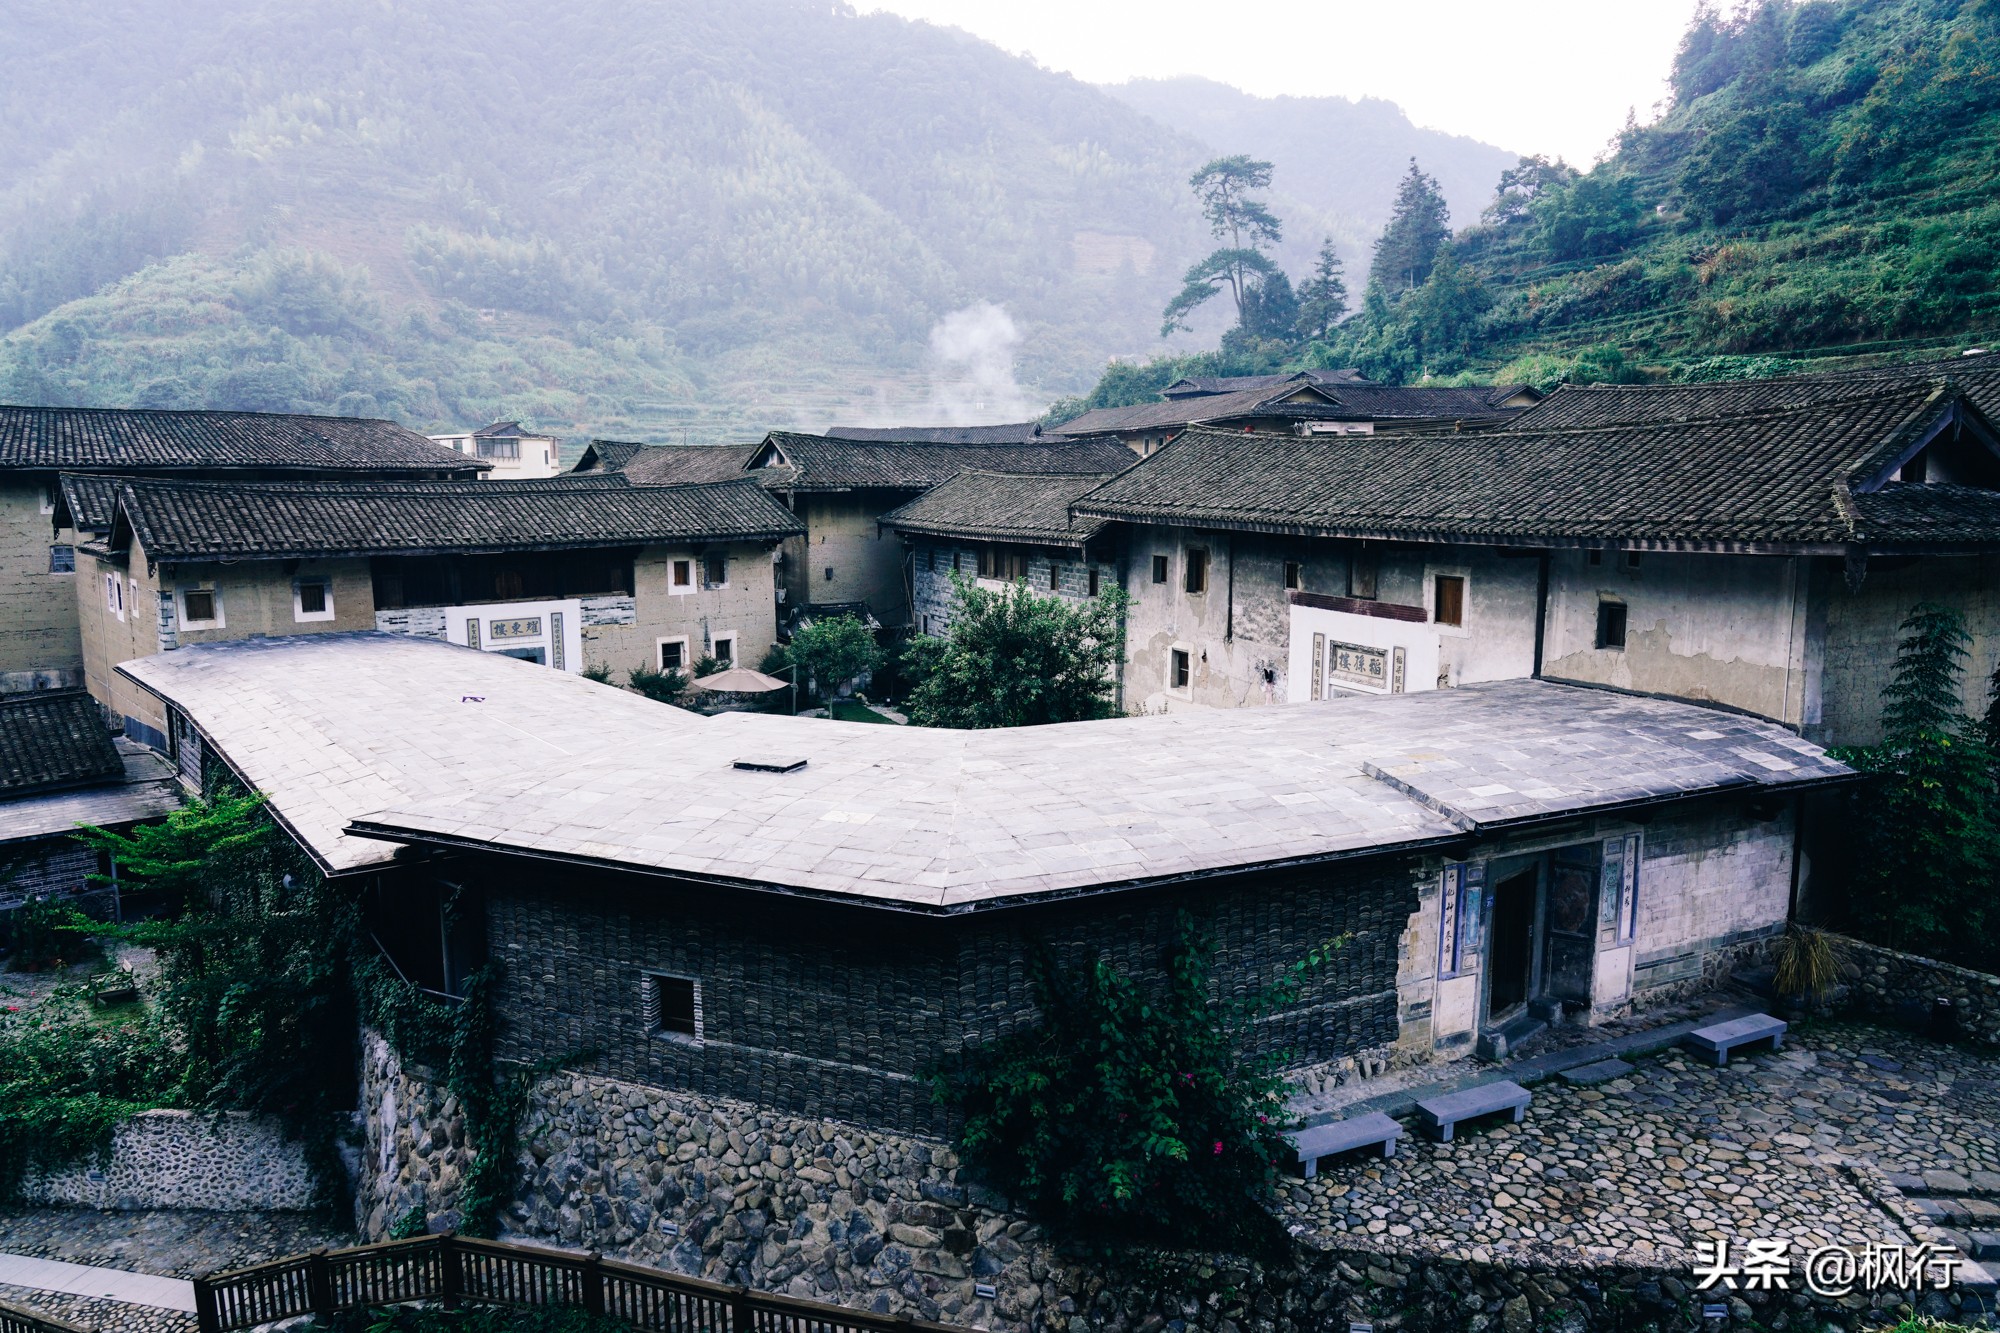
[(1547, 76)]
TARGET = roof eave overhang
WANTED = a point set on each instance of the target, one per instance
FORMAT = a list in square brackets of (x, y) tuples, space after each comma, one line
[(1430, 536), (361, 553)]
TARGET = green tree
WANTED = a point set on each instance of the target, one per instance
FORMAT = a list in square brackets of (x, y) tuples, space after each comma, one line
[(829, 653), (1419, 225), (1523, 184), (1017, 658), (1132, 1112), (1594, 215), (1224, 187), (193, 852), (1929, 822), (1323, 296)]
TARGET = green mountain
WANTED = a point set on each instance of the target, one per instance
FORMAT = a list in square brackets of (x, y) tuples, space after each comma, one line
[(632, 216), (1822, 187), (1337, 160)]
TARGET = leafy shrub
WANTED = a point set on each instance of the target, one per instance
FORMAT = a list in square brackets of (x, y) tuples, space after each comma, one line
[(831, 652), (665, 687), (1017, 658), (1131, 1112)]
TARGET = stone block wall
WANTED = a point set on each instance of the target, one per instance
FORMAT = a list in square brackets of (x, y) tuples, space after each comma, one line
[(838, 1212), (178, 1159), (1885, 983), (815, 1009)]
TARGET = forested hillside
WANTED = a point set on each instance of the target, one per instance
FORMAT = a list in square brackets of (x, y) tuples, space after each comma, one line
[(593, 214), (1823, 186)]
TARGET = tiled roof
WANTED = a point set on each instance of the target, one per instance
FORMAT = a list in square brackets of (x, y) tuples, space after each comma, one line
[(208, 520), (55, 740), (1020, 432), (1188, 386), (110, 439), (828, 464), (1007, 506), (414, 740), (607, 455), (89, 499), (685, 464), (1220, 407), (1582, 405), (1397, 402), (1784, 478)]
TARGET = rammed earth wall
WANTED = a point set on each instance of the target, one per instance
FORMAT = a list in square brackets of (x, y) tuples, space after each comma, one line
[(887, 1221), (178, 1159)]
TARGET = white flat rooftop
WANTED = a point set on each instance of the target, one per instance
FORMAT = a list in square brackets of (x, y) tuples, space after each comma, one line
[(362, 738)]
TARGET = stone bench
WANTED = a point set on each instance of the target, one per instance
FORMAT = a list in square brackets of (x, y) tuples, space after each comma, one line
[(1442, 1113), (1339, 1136), (1719, 1039)]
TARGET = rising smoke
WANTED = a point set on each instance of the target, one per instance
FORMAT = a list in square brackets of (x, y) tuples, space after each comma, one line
[(972, 369)]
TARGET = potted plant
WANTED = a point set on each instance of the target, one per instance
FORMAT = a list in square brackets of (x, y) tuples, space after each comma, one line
[(1806, 966)]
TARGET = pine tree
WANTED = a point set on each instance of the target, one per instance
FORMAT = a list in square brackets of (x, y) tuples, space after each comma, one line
[(1323, 297), (1418, 225), (1223, 187), (1929, 823)]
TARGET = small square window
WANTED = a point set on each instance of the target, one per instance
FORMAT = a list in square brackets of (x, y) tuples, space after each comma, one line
[(201, 608), (715, 571), (1631, 560), (1180, 669), (62, 560), (930, 560), (829, 573), (1594, 557), (1611, 624), (1197, 570), (670, 1006), (958, 562), (312, 599), (1159, 569), (1092, 579), (1055, 577), (725, 651), (1449, 601), (673, 655), (1292, 575), (114, 595), (683, 575)]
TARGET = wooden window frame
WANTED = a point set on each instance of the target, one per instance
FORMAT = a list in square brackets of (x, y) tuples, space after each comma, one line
[(1610, 613), (1194, 571), (1458, 595)]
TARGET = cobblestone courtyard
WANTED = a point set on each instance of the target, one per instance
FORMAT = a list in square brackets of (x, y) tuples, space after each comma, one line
[(1678, 1153)]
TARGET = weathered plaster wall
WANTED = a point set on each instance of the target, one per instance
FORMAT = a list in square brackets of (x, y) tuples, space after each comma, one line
[(40, 642), (745, 610), (866, 561), (109, 639), (1728, 629), (932, 564), (1708, 882), (257, 596), (178, 1159), (1862, 630)]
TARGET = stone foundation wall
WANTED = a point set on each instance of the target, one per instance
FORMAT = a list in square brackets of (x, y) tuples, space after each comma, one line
[(1904, 986), (884, 1221), (177, 1159)]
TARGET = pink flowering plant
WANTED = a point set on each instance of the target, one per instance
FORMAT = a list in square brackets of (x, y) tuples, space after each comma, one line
[(1134, 1112)]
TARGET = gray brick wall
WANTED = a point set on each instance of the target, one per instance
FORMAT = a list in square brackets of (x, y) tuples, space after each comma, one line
[(835, 1011), (931, 568)]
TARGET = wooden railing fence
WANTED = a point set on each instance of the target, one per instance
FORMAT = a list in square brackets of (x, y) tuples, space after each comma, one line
[(450, 1269), (13, 1319)]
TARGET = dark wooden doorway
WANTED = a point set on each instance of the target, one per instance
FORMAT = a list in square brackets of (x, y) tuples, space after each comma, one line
[(1510, 964)]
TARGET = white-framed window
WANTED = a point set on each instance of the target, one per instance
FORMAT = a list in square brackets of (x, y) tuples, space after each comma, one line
[(680, 575), (114, 595), (1180, 669), (1450, 599), (670, 1007), (199, 607), (62, 559), (715, 570), (674, 654), (725, 649), (312, 597)]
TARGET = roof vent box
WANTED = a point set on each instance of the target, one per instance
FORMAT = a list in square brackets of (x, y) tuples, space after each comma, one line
[(770, 764)]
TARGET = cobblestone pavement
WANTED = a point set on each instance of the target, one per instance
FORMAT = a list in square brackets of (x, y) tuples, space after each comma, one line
[(1679, 1153), (167, 1242)]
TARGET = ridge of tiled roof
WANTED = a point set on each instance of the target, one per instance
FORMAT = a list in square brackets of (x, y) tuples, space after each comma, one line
[(1210, 408), (822, 463), (113, 439), (1586, 405), (55, 740), (1033, 507), (605, 456), (1780, 478), (1018, 432), (1389, 402), (270, 520), (1188, 386)]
